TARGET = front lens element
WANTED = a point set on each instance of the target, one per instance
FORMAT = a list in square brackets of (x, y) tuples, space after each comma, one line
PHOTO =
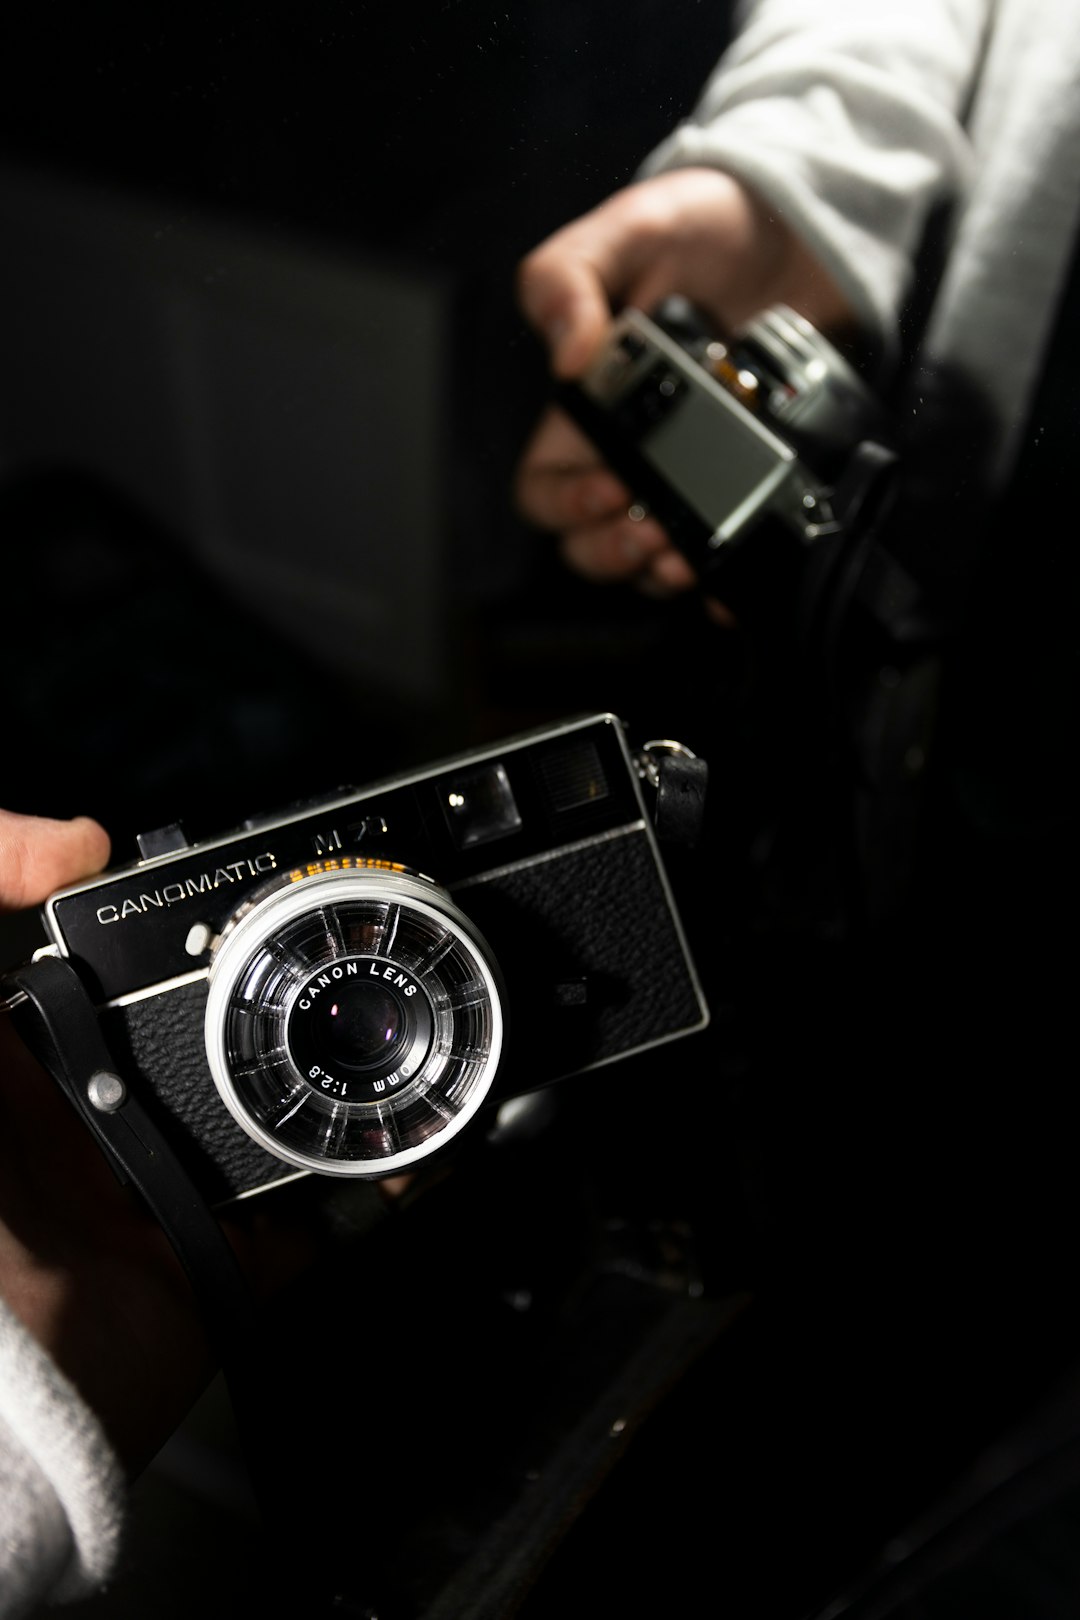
[(362, 1028), (357, 1023)]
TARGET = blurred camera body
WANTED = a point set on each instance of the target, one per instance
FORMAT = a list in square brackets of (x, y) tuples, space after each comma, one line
[(716, 436), (300, 996)]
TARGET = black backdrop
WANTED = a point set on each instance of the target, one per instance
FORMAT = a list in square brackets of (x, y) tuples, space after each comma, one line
[(450, 137)]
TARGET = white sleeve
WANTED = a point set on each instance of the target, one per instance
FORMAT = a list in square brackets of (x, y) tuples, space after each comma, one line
[(61, 1489), (847, 117)]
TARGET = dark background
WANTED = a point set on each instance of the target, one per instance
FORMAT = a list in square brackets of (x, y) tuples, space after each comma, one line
[(420, 148)]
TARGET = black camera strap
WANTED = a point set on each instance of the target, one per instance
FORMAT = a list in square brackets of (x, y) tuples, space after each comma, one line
[(66, 1038), (51, 1010)]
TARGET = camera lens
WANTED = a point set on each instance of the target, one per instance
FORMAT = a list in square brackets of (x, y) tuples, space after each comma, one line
[(362, 1029), (353, 1019), (357, 1025)]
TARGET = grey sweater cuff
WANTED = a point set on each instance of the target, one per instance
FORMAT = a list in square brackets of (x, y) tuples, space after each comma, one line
[(62, 1492)]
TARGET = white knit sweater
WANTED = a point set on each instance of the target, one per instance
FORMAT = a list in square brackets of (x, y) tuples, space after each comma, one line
[(61, 1489), (853, 119)]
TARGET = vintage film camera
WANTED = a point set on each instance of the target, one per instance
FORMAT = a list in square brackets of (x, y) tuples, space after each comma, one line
[(769, 432), (299, 996)]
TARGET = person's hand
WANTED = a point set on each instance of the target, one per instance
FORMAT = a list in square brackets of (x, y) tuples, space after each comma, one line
[(38, 855), (83, 1265), (695, 232)]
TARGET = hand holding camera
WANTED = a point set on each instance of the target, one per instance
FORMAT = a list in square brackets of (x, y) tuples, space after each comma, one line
[(728, 440), (696, 233)]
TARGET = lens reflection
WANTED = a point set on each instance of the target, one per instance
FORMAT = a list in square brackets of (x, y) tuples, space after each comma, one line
[(364, 1025)]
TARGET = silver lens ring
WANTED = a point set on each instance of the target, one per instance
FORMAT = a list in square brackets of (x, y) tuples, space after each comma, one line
[(354, 1021)]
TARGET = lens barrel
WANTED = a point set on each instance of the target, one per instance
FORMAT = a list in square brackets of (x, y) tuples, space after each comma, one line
[(354, 1020)]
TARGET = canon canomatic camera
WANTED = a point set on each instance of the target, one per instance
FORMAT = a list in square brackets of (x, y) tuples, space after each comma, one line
[(719, 436), (301, 996)]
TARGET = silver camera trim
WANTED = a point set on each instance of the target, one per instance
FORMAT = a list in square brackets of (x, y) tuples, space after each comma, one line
[(240, 942), (756, 469), (727, 460)]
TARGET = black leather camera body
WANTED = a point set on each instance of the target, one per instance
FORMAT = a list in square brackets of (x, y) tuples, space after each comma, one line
[(300, 995)]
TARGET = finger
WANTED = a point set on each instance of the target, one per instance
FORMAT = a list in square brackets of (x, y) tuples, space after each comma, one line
[(568, 286), (561, 501), (668, 574), (39, 854), (561, 294), (557, 443), (617, 549), (720, 613), (671, 569), (561, 481)]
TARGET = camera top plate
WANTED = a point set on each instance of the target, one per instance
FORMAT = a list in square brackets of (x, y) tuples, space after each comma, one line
[(138, 926)]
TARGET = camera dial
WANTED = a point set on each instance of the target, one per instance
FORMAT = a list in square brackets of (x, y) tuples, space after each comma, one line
[(354, 1018)]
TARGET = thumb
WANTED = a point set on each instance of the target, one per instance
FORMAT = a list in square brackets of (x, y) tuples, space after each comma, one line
[(562, 296), (38, 855)]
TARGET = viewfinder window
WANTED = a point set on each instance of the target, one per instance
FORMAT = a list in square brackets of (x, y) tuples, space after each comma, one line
[(480, 806)]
